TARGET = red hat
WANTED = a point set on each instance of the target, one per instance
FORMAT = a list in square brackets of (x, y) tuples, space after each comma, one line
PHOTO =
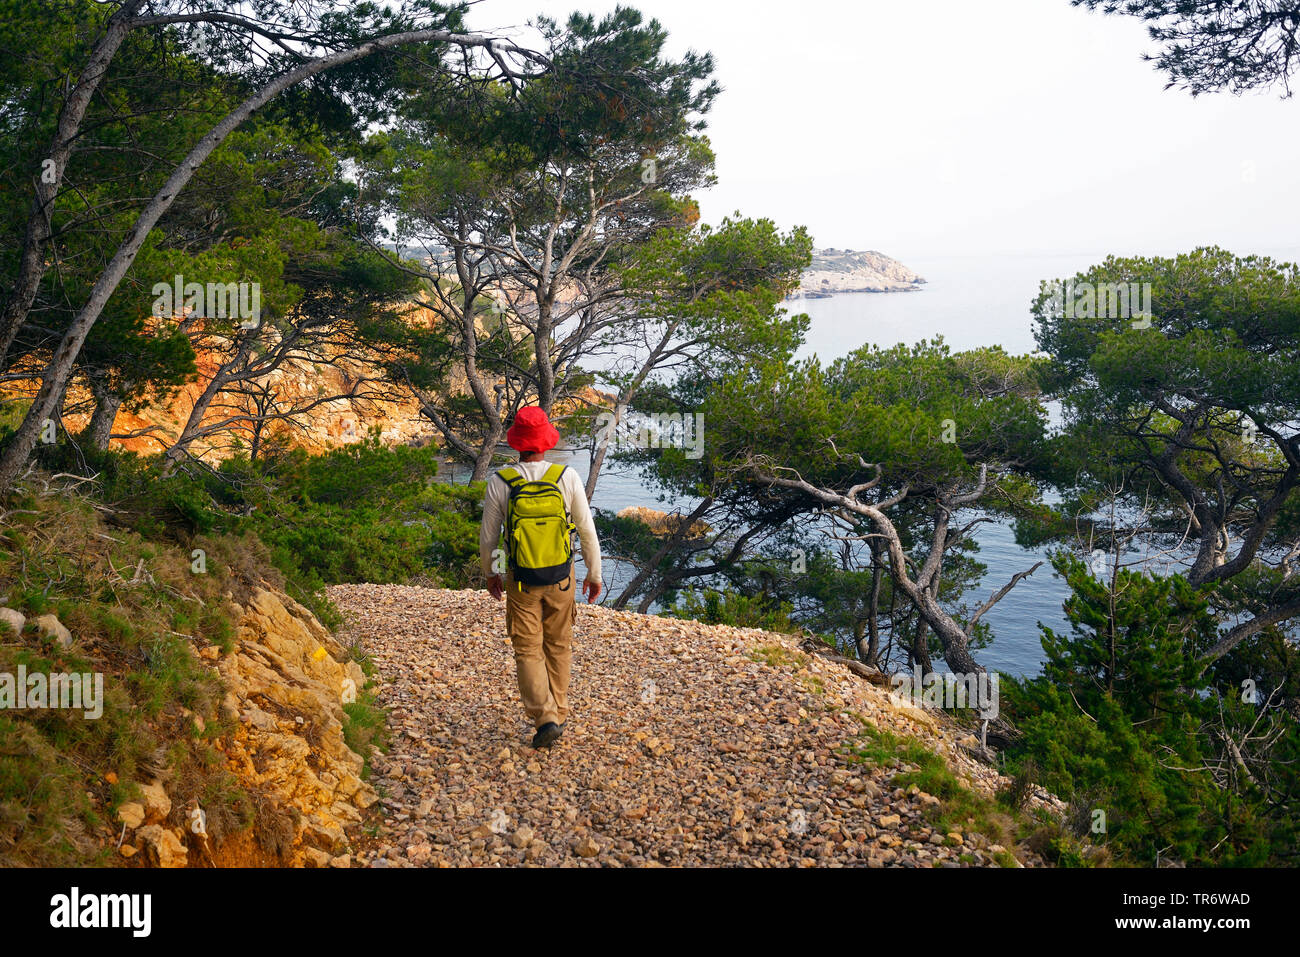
[(532, 431)]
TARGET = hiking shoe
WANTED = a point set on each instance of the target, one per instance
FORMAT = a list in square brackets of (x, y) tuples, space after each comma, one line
[(547, 735)]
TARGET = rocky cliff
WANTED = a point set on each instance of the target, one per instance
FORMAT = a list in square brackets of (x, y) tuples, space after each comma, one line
[(662, 523), (341, 422), (287, 681), (398, 419)]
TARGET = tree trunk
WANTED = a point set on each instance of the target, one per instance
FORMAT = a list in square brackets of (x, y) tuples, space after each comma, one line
[(920, 650), (602, 452), (483, 463), (255, 444), (956, 643), (872, 657), (172, 457), (542, 354), (100, 429), (32, 264), (220, 379), (623, 401), (473, 376)]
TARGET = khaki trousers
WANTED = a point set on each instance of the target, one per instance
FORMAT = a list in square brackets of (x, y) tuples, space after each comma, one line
[(539, 620)]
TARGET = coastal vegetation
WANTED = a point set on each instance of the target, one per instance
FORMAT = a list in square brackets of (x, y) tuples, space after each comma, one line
[(456, 226)]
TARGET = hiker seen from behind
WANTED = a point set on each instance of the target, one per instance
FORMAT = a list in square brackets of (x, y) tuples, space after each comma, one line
[(530, 512)]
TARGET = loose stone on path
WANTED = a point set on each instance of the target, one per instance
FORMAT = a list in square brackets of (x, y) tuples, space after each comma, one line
[(687, 745)]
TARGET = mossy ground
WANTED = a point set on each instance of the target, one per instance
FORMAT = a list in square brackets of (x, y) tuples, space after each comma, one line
[(960, 807), (138, 612)]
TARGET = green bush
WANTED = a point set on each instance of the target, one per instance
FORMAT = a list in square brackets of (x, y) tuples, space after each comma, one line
[(1125, 727), (732, 608), (360, 513)]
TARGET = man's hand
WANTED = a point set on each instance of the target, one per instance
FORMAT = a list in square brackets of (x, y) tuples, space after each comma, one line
[(592, 590), (497, 587)]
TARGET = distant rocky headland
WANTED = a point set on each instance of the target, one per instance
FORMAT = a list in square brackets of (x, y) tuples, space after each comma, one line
[(846, 270)]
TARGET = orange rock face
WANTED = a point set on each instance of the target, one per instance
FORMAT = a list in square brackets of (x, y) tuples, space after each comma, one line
[(153, 429)]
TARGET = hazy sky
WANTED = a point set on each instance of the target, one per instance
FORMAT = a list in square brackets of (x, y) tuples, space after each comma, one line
[(952, 127)]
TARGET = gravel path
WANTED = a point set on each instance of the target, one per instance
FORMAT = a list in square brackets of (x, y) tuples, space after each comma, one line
[(688, 744)]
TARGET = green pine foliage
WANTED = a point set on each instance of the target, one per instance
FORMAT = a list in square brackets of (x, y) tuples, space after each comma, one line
[(1126, 726), (729, 607)]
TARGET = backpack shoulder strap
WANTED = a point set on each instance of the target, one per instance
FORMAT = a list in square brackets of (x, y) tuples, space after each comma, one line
[(511, 477), (553, 475)]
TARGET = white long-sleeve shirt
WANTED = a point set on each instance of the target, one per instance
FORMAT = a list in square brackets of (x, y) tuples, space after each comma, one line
[(497, 500)]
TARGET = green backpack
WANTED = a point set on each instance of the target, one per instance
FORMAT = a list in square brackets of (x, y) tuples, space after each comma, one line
[(539, 535)]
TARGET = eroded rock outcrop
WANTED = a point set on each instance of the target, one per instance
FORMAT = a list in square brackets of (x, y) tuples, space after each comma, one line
[(661, 523), (288, 680)]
